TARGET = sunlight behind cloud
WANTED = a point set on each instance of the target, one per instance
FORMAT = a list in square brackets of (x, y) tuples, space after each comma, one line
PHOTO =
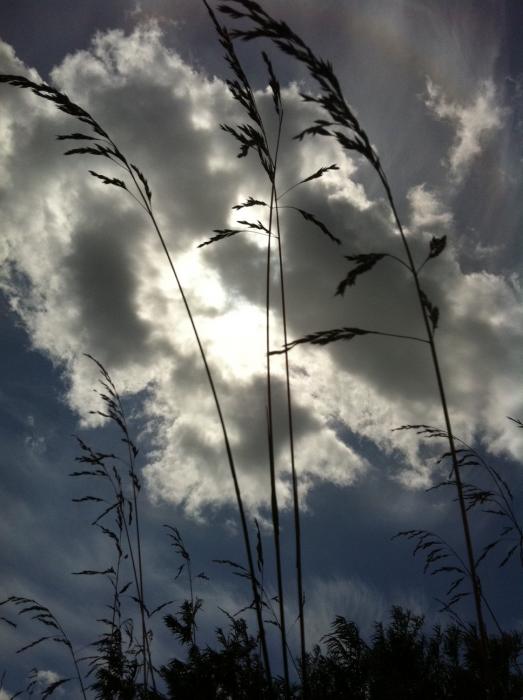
[(100, 283), (237, 340), (395, 205)]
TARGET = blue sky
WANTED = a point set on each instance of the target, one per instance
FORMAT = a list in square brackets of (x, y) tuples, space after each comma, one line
[(439, 90)]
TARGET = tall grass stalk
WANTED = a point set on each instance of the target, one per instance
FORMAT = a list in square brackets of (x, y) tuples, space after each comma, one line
[(496, 498), (290, 423), (114, 411), (195, 602), (42, 614), (102, 145), (232, 467), (354, 138), (294, 478), (270, 435), (430, 328), (255, 137)]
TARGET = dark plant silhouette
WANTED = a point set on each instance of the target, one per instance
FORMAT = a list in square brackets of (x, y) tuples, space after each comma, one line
[(117, 660), (101, 145), (400, 660), (114, 470), (54, 633), (485, 490), (253, 137), (233, 670), (493, 498), (342, 125)]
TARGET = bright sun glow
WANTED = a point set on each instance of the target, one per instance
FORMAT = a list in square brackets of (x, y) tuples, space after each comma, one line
[(238, 339)]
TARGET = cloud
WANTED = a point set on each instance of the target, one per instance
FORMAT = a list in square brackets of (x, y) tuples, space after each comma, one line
[(427, 211), (85, 273), (41, 678), (47, 677), (473, 122)]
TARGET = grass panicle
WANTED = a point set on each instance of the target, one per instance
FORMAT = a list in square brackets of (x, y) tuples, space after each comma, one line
[(486, 490), (41, 614), (242, 92), (461, 661), (344, 127), (139, 189)]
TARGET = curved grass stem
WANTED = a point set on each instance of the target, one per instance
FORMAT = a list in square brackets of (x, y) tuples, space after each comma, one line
[(294, 478), (475, 581), (230, 459), (270, 433)]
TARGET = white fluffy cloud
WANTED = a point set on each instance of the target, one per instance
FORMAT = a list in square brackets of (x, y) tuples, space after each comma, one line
[(428, 213), (473, 122), (47, 677), (86, 274)]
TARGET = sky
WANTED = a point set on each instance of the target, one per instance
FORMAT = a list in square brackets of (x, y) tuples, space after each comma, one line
[(438, 87)]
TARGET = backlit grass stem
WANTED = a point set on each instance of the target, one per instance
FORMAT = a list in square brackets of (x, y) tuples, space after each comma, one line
[(253, 136), (100, 144), (344, 127)]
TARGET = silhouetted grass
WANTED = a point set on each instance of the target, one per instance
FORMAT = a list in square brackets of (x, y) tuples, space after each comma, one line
[(101, 145), (343, 126), (55, 633), (253, 136), (400, 660), (485, 490)]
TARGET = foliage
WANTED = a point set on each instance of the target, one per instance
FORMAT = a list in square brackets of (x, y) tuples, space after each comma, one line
[(233, 670), (402, 661)]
